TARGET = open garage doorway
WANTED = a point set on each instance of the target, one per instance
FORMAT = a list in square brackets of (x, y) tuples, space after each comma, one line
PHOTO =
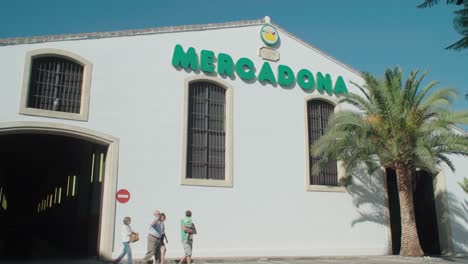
[(52, 192)]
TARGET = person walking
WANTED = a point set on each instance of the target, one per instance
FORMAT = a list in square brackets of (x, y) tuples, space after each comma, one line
[(126, 232), (187, 231), (162, 218), (154, 239)]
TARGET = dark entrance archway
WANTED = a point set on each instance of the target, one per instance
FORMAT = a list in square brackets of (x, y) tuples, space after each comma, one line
[(52, 187), (424, 209)]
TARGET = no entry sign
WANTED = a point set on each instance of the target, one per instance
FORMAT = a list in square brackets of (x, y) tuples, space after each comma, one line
[(122, 196)]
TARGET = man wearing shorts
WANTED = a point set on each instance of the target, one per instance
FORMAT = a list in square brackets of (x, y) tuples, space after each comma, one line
[(187, 231)]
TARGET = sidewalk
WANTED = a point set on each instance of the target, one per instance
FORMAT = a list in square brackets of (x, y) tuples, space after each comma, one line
[(347, 260), (334, 260), (311, 260)]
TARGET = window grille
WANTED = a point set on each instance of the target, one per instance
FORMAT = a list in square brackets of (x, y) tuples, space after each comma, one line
[(55, 84), (206, 131), (318, 113)]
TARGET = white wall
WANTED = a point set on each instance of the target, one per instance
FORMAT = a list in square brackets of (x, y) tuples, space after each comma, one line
[(137, 96), (457, 201)]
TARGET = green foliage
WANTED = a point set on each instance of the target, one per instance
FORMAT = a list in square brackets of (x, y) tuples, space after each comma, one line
[(464, 185), (430, 3), (395, 122), (460, 21)]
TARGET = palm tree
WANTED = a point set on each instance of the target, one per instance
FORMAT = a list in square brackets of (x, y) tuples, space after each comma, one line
[(399, 126), (460, 22)]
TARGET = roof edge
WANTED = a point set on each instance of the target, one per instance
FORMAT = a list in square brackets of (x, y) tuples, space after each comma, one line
[(126, 33), (168, 29)]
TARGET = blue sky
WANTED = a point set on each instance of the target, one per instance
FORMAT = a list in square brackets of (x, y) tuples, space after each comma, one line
[(369, 35)]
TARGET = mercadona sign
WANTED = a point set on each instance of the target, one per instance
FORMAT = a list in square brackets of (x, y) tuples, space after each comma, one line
[(245, 69)]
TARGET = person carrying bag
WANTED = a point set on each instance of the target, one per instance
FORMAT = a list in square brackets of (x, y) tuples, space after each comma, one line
[(127, 233)]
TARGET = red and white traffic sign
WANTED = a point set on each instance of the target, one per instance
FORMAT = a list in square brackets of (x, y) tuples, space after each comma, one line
[(122, 196)]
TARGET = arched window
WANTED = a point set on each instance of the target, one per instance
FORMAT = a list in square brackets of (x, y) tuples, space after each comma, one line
[(206, 134), (56, 84), (318, 114)]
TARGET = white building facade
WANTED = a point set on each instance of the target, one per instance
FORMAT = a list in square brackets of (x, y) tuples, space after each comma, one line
[(217, 119)]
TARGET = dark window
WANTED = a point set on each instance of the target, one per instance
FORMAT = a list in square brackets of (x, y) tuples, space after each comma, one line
[(318, 113), (55, 84), (206, 131)]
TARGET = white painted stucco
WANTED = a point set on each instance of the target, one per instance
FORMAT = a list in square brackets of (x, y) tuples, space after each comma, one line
[(137, 96), (457, 201)]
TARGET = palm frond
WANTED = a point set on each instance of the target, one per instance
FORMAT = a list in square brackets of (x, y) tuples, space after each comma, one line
[(464, 184), (424, 155), (424, 91), (460, 22), (443, 158), (428, 3), (358, 101), (440, 98), (431, 3), (369, 79), (459, 45), (454, 117), (412, 86)]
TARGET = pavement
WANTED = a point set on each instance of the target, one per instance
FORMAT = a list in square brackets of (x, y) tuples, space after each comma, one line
[(311, 260), (358, 260)]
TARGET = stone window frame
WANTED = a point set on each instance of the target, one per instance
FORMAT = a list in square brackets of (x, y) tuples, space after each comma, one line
[(85, 88), (228, 176)]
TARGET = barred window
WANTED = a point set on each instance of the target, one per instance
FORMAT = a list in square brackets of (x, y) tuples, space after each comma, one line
[(206, 135), (318, 113), (55, 84)]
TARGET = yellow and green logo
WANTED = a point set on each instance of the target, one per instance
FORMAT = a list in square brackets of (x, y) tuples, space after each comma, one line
[(269, 35)]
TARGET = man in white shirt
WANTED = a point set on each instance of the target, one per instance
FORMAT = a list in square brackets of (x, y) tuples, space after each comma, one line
[(154, 238)]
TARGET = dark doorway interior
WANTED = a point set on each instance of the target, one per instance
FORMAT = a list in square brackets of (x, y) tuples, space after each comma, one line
[(425, 212), (394, 208), (51, 196)]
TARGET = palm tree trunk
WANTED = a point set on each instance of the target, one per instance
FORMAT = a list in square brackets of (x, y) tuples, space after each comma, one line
[(410, 245)]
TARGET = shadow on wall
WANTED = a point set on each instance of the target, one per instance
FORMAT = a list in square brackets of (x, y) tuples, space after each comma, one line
[(455, 221), (369, 198)]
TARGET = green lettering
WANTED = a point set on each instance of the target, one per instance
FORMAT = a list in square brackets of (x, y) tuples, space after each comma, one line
[(340, 87), (207, 61), (225, 65), (305, 79), (185, 60), (242, 65), (266, 74), (324, 83), (285, 75)]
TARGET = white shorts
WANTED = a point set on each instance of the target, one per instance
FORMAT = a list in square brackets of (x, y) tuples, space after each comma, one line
[(187, 248)]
